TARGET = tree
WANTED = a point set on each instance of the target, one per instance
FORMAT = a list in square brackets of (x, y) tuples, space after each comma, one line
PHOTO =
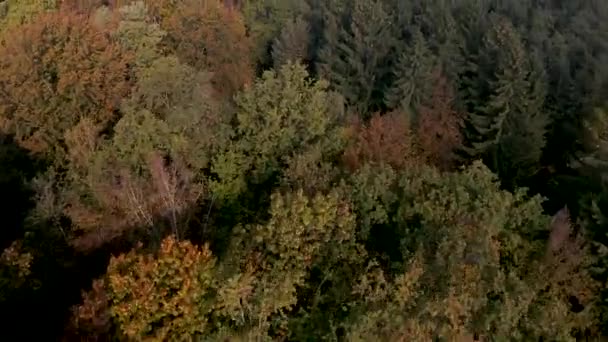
[(149, 173), (576, 79), (209, 36), (90, 6), (126, 185), (357, 42), (183, 97), (303, 235), (440, 28), (137, 32), (278, 117), (315, 169), (292, 45), (438, 131), (508, 126), (14, 13), (14, 269), (471, 266), (60, 69), (591, 194), (385, 139), (162, 297), (265, 19), (413, 76)]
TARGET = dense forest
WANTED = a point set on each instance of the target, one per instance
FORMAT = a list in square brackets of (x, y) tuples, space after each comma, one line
[(304, 170)]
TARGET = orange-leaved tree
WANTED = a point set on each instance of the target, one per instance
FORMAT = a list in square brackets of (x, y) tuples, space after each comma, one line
[(161, 298), (439, 125), (57, 70), (385, 139), (209, 36)]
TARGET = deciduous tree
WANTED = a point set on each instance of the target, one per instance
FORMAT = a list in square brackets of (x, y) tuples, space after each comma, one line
[(295, 241), (439, 125), (137, 32), (56, 71), (278, 117), (385, 139), (471, 266), (14, 13), (161, 297), (209, 36)]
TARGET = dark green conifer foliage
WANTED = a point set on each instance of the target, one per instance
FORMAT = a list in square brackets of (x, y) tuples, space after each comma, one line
[(413, 76), (357, 45), (265, 20), (506, 122), (293, 43)]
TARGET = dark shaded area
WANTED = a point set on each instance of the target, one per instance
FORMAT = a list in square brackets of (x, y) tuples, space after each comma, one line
[(17, 168)]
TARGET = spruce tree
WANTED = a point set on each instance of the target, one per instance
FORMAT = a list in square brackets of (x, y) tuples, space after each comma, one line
[(506, 122), (413, 76), (265, 19), (292, 44), (358, 42)]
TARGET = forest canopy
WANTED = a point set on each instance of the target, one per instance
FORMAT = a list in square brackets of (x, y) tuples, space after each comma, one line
[(303, 170)]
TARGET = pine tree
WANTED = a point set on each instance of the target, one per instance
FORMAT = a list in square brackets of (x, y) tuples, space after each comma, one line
[(413, 76), (506, 125), (292, 44), (524, 139), (436, 21), (265, 19), (357, 42)]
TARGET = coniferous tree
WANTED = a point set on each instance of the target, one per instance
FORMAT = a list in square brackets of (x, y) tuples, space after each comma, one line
[(577, 79), (292, 45), (357, 44), (507, 123), (413, 76), (265, 19)]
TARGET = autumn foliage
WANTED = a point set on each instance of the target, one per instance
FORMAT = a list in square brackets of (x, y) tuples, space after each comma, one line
[(57, 70), (385, 139), (209, 36), (439, 125), (146, 292), (303, 170), (119, 200)]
